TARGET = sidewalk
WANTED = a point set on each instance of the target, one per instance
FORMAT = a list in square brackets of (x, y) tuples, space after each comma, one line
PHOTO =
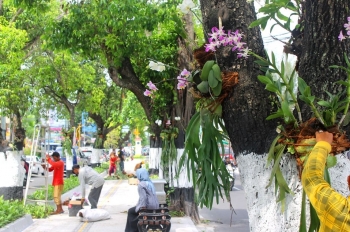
[(117, 197)]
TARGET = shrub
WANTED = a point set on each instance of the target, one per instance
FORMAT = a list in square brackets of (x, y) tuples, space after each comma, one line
[(99, 169), (105, 165), (38, 211), (69, 184), (10, 211)]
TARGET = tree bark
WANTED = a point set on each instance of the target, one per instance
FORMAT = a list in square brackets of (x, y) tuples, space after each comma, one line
[(183, 197), (245, 109), (321, 47), (247, 106)]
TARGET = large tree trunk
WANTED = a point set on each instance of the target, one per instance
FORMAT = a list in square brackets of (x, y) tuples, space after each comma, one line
[(248, 105), (183, 196), (321, 47), (12, 172)]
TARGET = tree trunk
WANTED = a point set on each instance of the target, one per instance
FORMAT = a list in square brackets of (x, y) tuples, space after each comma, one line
[(11, 187), (246, 108), (72, 117), (321, 47)]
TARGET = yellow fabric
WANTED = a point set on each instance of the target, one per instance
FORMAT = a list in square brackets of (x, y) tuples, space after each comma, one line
[(332, 208), (57, 192)]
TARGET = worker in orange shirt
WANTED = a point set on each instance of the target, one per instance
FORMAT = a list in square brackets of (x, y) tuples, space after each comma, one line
[(57, 166)]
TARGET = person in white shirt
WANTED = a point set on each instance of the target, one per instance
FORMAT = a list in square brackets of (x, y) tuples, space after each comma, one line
[(89, 176)]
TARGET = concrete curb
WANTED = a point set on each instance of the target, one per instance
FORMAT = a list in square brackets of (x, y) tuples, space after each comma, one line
[(18, 225)]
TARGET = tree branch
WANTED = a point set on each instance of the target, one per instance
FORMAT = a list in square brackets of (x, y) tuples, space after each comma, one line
[(14, 18)]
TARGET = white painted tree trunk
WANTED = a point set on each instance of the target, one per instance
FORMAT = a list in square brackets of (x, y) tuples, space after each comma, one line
[(95, 156), (12, 174), (154, 160), (182, 181), (264, 213), (69, 161)]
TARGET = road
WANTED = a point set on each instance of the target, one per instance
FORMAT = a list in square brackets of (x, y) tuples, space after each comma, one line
[(218, 219), (38, 182)]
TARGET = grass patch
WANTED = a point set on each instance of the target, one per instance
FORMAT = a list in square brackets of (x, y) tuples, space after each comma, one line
[(105, 165), (174, 213), (99, 169)]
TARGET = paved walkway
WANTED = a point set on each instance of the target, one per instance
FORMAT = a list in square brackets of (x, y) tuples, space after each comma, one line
[(117, 197)]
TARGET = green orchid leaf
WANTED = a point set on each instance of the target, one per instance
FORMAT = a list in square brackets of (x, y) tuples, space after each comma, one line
[(282, 16), (213, 82), (347, 84), (314, 220), (203, 87), (279, 153), (331, 161), (271, 154), (302, 225), (217, 89), (264, 79), (262, 22), (271, 88), (324, 103), (302, 85), (273, 58), (346, 60), (288, 115), (277, 114), (346, 119)]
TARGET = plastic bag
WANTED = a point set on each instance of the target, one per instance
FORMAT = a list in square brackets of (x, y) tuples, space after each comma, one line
[(93, 215)]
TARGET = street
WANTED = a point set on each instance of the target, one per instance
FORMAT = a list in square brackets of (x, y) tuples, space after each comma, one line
[(37, 181)]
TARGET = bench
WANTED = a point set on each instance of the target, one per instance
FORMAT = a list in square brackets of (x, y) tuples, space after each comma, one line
[(154, 219)]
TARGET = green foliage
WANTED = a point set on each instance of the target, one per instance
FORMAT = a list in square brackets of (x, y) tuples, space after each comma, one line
[(10, 211), (154, 177), (98, 144), (283, 86), (273, 10), (202, 157), (99, 169), (38, 211), (67, 146), (105, 165), (69, 183), (174, 213), (136, 30)]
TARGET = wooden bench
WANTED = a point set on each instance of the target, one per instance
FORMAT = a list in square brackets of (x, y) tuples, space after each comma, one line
[(154, 219)]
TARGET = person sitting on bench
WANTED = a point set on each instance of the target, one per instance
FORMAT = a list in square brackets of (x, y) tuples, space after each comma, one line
[(147, 199)]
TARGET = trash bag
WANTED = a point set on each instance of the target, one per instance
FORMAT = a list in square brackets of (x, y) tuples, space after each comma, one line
[(93, 215)]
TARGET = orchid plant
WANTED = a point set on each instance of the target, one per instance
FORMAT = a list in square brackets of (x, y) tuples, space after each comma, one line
[(291, 137), (206, 131)]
